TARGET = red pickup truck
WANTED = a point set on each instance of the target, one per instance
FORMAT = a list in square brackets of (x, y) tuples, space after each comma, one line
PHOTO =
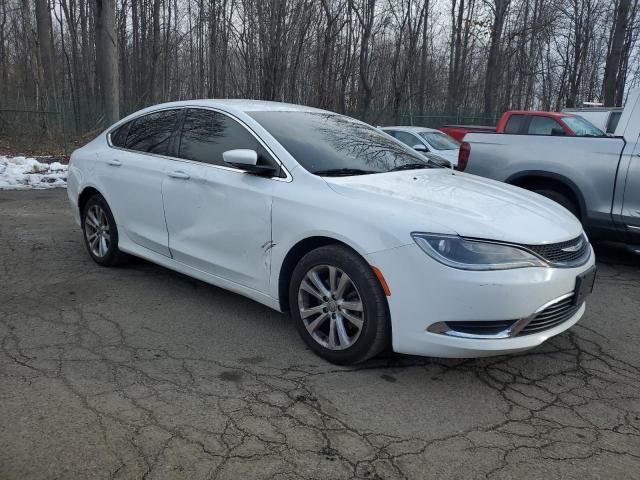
[(525, 122)]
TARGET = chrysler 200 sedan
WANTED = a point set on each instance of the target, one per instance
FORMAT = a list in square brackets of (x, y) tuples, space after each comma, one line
[(367, 243)]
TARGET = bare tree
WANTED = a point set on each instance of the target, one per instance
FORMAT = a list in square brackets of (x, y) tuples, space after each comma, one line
[(499, 9), (610, 83), (381, 60), (46, 75), (107, 59)]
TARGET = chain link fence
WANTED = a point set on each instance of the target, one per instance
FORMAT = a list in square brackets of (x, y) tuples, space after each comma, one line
[(58, 132), (24, 130)]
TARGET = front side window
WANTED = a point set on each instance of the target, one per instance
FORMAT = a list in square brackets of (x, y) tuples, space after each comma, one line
[(152, 133), (206, 135), (582, 128), (440, 141), (331, 144), (543, 126)]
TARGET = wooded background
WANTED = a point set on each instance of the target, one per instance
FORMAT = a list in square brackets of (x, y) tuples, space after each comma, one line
[(385, 61)]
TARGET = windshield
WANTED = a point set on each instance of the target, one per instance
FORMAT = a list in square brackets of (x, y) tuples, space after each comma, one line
[(331, 144), (440, 141), (582, 128)]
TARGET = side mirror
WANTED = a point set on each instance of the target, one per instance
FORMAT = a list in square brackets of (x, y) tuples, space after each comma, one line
[(556, 131), (420, 148), (247, 160)]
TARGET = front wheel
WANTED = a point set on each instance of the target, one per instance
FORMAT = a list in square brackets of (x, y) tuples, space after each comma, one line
[(338, 305)]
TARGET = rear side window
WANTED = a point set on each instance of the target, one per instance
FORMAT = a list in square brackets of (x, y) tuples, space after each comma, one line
[(119, 136), (516, 124), (152, 133), (543, 126), (207, 134)]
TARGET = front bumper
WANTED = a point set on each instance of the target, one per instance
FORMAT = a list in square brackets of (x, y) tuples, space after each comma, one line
[(425, 292)]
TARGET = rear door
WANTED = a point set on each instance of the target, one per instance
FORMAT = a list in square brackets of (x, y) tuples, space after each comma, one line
[(133, 172), (218, 217)]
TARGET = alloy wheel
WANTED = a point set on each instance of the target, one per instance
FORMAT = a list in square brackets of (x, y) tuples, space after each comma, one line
[(96, 230), (331, 307)]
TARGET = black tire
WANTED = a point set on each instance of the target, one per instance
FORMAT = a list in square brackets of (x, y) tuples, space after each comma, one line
[(113, 257), (374, 335), (562, 199)]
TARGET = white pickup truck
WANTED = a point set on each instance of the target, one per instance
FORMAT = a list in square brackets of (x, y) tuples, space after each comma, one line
[(596, 178)]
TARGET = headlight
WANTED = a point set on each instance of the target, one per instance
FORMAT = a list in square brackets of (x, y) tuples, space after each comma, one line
[(468, 254)]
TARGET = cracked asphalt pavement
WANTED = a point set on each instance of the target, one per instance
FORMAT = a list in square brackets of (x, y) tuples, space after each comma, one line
[(139, 372)]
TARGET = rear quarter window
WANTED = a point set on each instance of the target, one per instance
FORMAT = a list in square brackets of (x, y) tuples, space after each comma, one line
[(119, 135)]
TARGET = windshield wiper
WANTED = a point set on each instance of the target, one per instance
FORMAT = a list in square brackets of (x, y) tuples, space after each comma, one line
[(411, 166), (343, 172)]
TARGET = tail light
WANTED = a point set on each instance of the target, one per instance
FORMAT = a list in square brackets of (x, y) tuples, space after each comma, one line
[(463, 155)]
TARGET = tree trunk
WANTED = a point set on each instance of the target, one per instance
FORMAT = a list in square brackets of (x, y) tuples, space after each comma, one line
[(107, 59), (45, 52), (491, 77), (615, 57)]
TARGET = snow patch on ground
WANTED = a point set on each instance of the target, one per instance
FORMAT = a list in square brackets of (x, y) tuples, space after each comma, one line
[(24, 173)]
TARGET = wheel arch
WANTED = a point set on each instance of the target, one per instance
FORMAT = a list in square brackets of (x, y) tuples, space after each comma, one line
[(294, 255), (531, 179), (86, 193)]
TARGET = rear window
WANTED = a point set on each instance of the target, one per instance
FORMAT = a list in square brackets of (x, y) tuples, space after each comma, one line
[(152, 133), (516, 124), (440, 141)]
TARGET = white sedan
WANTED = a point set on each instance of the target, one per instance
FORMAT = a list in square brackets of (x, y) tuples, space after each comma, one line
[(367, 243), (424, 139)]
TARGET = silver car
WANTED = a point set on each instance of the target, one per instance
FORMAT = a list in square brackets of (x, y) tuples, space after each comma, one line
[(425, 139)]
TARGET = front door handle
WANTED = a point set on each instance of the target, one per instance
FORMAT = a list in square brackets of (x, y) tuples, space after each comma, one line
[(114, 163), (179, 174)]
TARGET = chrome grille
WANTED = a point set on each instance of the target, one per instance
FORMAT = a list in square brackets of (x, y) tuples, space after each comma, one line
[(552, 316), (563, 253)]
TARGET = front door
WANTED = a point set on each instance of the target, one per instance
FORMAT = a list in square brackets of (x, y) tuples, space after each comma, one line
[(218, 217), (631, 199)]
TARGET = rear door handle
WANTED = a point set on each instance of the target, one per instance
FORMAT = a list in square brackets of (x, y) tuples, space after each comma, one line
[(114, 163), (179, 174)]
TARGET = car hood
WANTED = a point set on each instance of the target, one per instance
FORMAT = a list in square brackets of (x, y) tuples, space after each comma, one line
[(440, 201)]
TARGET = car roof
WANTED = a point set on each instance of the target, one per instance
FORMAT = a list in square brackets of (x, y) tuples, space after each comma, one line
[(243, 105), (540, 113), (411, 129)]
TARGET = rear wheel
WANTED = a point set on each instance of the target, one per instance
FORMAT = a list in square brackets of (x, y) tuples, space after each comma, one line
[(338, 305), (562, 199), (101, 233)]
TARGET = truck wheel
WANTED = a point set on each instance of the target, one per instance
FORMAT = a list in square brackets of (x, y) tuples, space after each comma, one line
[(562, 200)]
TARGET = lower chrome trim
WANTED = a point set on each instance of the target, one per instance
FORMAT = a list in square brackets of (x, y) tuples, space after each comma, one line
[(443, 329)]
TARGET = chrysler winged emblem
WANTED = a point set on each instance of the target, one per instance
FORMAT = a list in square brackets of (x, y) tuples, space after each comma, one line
[(573, 248)]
